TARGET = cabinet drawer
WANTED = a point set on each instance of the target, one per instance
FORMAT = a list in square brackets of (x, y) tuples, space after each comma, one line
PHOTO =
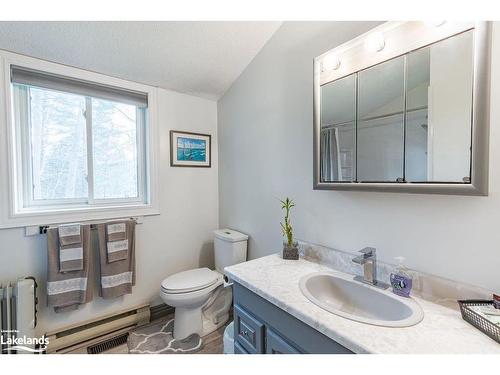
[(248, 331), (238, 349), (277, 345)]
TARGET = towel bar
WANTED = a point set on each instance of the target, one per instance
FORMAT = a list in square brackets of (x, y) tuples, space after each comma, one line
[(42, 229)]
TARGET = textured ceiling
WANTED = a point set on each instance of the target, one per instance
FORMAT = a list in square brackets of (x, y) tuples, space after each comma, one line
[(197, 58)]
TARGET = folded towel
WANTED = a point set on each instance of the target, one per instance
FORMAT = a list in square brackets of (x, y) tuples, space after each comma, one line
[(117, 241), (118, 277), (117, 250), (70, 234), (70, 248), (70, 259), (117, 231), (67, 290)]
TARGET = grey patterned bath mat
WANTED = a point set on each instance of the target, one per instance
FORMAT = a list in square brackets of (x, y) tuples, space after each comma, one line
[(159, 339)]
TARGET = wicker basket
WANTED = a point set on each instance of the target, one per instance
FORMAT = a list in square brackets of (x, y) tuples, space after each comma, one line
[(481, 323)]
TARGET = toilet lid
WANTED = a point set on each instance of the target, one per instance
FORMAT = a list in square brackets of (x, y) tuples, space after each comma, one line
[(189, 281)]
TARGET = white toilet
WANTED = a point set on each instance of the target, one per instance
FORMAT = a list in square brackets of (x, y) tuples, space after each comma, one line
[(200, 299)]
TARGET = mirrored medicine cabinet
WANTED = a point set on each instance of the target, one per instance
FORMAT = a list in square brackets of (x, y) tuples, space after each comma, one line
[(404, 108)]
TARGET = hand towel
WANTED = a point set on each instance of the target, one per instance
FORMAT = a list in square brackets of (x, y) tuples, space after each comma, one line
[(117, 278), (70, 248), (67, 290), (117, 231), (117, 244), (70, 258), (117, 250), (69, 234)]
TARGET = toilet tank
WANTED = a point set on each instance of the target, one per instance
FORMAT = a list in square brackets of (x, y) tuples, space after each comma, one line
[(230, 247)]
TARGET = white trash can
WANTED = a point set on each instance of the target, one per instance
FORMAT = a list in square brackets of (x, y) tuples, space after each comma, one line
[(229, 339)]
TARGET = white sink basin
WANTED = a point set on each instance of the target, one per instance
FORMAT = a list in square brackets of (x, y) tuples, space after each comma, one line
[(343, 296)]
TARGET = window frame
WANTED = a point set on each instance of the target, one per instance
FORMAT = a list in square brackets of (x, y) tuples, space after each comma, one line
[(13, 152)]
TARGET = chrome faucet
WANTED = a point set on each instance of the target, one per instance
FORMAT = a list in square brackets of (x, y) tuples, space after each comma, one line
[(368, 259)]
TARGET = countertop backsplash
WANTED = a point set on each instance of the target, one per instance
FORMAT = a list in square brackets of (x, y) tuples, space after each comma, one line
[(429, 287)]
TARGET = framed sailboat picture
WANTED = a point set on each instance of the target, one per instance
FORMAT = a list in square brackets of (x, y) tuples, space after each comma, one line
[(190, 149)]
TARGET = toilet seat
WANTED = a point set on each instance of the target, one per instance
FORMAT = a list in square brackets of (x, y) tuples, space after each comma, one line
[(190, 281)]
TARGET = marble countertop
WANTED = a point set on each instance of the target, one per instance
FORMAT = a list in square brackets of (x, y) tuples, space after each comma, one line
[(441, 331)]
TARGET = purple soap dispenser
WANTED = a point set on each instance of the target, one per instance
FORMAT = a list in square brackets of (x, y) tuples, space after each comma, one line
[(401, 280)]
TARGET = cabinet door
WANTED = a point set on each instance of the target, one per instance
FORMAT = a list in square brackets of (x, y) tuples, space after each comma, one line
[(238, 349), (276, 345), (248, 331)]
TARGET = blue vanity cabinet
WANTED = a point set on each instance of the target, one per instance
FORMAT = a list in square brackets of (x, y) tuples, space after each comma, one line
[(248, 331), (277, 345), (238, 349), (261, 327)]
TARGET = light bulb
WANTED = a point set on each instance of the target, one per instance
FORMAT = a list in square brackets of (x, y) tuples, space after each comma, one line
[(330, 62), (375, 42)]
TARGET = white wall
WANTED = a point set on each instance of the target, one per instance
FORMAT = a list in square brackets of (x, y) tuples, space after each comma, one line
[(178, 239), (265, 148)]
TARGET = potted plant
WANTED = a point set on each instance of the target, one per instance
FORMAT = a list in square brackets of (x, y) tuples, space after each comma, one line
[(290, 247)]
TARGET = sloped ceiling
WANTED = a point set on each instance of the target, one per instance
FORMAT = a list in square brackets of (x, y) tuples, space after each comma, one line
[(197, 58)]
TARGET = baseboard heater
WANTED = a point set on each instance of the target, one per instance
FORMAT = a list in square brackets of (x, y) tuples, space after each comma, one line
[(17, 314), (82, 335)]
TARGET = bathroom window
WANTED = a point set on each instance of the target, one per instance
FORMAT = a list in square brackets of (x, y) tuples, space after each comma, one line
[(78, 145)]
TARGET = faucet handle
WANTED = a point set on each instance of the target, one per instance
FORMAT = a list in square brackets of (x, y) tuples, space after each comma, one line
[(368, 251)]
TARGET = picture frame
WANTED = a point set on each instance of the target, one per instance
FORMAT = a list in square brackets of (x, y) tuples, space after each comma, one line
[(189, 149)]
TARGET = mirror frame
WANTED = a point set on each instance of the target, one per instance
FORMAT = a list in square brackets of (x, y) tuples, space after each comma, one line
[(404, 37)]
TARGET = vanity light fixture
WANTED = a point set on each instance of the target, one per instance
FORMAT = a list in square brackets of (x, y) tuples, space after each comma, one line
[(330, 62), (375, 42)]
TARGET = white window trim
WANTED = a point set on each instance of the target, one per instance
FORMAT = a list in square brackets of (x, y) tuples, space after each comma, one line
[(11, 184)]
